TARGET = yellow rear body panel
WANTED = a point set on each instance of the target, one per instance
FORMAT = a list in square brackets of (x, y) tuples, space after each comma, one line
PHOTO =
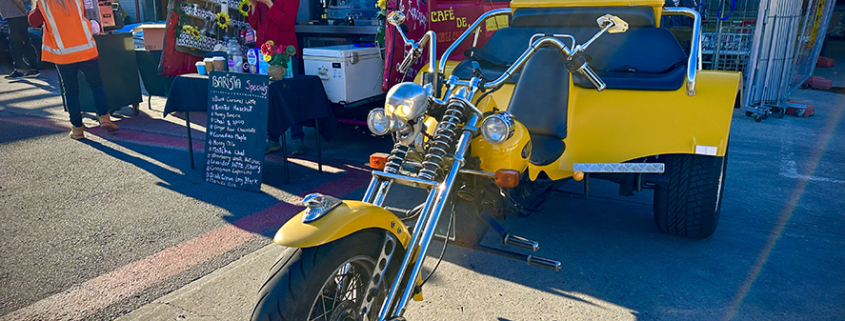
[(614, 126), (347, 218)]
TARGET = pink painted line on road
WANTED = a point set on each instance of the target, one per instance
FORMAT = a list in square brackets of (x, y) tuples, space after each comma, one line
[(145, 138), (82, 300)]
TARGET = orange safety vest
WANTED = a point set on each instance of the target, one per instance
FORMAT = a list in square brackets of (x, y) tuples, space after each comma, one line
[(67, 33)]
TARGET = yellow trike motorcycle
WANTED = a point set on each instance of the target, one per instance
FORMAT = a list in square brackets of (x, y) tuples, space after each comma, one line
[(496, 134)]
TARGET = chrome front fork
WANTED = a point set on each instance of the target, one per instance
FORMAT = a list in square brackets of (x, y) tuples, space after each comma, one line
[(423, 229)]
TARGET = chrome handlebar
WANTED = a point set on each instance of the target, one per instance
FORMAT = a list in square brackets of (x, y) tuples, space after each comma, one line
[(694, 61), (592, 77)]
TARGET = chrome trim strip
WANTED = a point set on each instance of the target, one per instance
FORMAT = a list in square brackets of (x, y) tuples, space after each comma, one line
[(656, 168)]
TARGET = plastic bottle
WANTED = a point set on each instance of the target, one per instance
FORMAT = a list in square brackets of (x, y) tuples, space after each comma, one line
[(236, 60), (252, 60)]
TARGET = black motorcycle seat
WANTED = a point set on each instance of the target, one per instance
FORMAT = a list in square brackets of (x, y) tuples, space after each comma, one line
[(644, 58), (540, 102)]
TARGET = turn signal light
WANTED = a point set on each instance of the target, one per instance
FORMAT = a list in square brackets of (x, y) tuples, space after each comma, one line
[(578, 176), (378, 160), (507, 178)]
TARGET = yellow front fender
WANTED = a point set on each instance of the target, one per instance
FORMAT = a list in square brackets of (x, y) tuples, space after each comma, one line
[(347, 218)]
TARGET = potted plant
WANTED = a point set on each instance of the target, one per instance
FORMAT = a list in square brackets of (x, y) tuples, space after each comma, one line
[(278, 57)]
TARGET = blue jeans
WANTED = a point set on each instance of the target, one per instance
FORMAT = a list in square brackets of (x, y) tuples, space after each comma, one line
[(70, 83)]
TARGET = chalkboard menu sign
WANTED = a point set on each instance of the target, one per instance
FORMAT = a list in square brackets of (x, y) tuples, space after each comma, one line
[(237, 129)]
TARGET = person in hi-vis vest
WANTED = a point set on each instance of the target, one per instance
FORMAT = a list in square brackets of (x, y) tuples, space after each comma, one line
[(69, 43)]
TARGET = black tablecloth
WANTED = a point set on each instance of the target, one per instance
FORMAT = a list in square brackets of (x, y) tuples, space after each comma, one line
[(300, 99)]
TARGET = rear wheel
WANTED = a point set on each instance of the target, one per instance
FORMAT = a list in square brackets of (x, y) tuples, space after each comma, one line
[(322, 283), (689, 204)]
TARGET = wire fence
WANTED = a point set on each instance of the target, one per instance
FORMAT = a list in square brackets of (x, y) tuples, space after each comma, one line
[(727, 33)]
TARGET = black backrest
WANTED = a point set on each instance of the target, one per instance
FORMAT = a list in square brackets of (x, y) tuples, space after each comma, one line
[(580, 17), (541, 96)]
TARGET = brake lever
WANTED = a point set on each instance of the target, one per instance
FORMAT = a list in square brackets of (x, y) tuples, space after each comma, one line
[(476, 72), (577, 62)]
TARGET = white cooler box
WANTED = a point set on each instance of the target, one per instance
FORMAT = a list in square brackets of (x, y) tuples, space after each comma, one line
[(349, 73)]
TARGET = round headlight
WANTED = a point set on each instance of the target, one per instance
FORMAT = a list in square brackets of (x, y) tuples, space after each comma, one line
[(406, 101), (497, 128), (378, 122)]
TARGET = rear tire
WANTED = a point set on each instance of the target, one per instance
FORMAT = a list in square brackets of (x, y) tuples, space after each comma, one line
[(689, 204), (299, 276)]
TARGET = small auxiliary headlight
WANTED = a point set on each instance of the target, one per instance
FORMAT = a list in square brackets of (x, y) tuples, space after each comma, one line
[(378, 122), (318, 205), (497, 128)]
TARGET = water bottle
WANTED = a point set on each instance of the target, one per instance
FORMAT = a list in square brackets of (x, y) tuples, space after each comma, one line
[(236, 59)]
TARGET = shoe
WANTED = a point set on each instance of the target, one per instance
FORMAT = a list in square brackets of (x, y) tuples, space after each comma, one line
[(298, 147), (107, 124), (17, 74), (32, 73), (77, 132), (271, 146)]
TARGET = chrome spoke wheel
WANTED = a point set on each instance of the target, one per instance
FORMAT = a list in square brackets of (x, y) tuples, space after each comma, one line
[(342, 293)]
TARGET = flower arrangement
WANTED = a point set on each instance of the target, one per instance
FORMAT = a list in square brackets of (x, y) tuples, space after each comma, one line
[(223, 20), (244, 7), (191, 31), (277, 55)]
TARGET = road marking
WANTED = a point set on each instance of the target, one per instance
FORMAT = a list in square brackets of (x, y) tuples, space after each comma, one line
[(789, 169), (82, 300), (786, 214)]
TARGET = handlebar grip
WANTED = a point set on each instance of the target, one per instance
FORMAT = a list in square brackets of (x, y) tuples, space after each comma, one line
[(591, 75), (409, 60)]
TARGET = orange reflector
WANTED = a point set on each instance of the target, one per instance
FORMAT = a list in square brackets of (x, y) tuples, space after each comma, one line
[(507, 178), (578, 175), (378, 160)]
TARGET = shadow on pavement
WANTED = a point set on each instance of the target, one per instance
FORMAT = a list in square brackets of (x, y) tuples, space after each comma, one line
[(181, 179)]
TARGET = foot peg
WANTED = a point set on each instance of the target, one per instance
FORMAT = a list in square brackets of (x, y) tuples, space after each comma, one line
[(520, 242), (543, 263)]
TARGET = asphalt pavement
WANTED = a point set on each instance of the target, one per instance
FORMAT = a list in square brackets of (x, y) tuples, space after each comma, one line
[(120, 226)]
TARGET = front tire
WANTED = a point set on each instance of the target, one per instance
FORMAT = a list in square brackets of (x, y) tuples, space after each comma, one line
[(301, 283), (689, 204)]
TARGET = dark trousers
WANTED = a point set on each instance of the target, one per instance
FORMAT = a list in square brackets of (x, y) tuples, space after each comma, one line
[(296, 132), (70, 82), (22, 51)]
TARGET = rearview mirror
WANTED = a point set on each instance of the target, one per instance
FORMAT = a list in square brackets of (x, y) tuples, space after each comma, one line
[(396, 18), (616, 24)]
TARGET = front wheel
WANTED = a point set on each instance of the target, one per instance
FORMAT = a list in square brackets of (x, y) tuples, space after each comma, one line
[(322, 283), (689, 204)]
